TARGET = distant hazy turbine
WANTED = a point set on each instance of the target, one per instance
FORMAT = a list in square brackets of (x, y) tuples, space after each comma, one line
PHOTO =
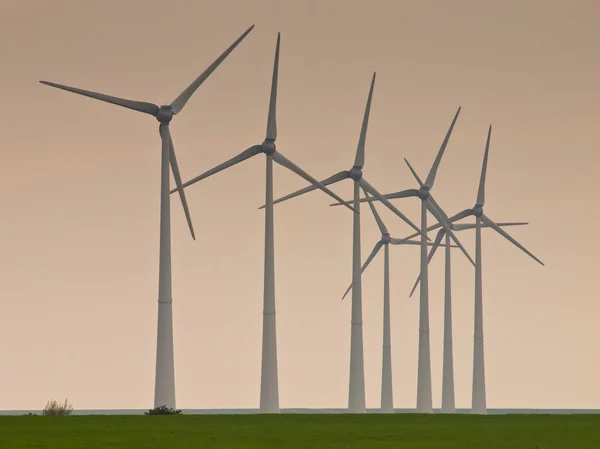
[(448, 398), (479, 405), (428, 203), (387, 395), (164, 393)]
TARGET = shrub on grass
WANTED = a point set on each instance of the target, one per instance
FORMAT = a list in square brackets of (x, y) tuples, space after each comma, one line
[(55, 408), (163, 410)]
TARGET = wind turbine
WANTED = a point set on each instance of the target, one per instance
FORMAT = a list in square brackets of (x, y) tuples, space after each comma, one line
[(356, 400), (387, 396), (164, 392), (428, 203), (448, 402), (479, 405), (269, 389)]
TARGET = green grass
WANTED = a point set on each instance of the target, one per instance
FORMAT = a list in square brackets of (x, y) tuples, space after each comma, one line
[(301, 431)]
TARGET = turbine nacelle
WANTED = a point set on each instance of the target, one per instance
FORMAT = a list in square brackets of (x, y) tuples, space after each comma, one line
[(386, 238), (355, 173), (164, 114), (268, 147), (423, 193), (478, 210)]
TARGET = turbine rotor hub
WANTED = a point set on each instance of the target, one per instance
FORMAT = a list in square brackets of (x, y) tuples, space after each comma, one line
[(385, 238), (423, 192), (164, 114), (268, 147), (355, 173), (478, 210)]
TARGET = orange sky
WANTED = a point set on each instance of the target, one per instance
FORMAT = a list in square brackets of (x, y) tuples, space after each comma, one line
[(80, 186)]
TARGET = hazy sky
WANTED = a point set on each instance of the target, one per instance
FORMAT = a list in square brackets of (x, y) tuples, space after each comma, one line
[(80, 196)]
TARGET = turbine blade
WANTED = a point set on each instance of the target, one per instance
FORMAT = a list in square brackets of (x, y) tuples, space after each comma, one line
[(165, 134), (285, 162), (272, 119), (378, 219), (376, 249), (520, 223), (434, 168), (369, 188), (462, 227), (359, 161), (436, 244), (140, 106), (459, 216), (388, 196), (184, 96), (481, 192), (246, 154), (331, 180), (415, 242), (414, 173), (438, 207), (442, 220), (507, 236)]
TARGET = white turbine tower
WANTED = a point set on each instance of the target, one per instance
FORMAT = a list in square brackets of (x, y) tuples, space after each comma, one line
[(428, 203), (164, 393), (387, 396), (356, 399), (479, 405), (448, 398), (269, 389)]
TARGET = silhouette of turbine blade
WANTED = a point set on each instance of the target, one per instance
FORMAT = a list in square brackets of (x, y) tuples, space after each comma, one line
[(438, 207), (140, 106), (328, 181), (165, 134), (459, 216), (436, 244), (272, 118), (507, 236), (395, 242), (481, 192), (388, 196), (440, 218), (376, 249), (434, 168), (246, 154), (414, 173), (369, 188), (183, 98), (359, 161), (462, 227), (285, 162), (378, 219)]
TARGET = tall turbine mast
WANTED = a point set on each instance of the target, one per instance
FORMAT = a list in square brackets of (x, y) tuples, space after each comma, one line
[(269, 385), (164, 392)]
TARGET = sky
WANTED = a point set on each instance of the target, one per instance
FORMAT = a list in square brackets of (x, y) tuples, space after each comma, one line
[(80, 196)]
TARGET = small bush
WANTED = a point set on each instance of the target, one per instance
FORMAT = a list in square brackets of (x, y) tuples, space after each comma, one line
[(163, 410), (55, 408)]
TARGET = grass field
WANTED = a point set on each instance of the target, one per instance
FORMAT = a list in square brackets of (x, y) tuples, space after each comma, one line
[(301, 431)]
